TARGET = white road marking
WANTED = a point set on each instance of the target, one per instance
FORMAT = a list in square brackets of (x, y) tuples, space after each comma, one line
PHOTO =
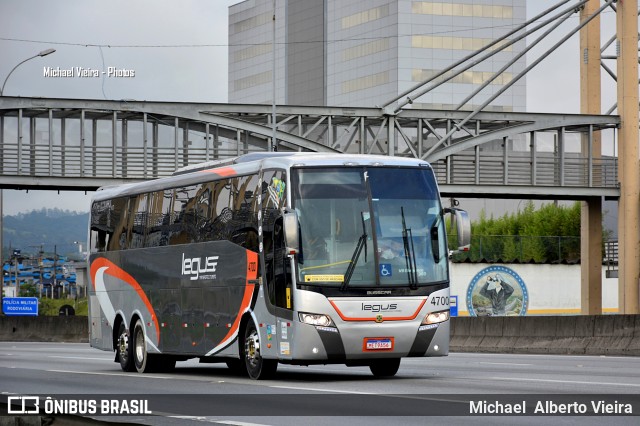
[(194, 419), (323, 390), (141, 376), (79, 357), (566, 381), (561, 356), (505, 363)]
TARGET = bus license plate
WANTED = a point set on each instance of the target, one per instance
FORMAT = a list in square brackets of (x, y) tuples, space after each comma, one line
[(378, 344)]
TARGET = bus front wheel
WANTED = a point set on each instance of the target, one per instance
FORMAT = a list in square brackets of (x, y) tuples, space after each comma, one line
[(124, 349), (385, 367), (258, 368)]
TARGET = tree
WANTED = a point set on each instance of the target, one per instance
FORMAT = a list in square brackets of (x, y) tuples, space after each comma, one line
[(548, 234)]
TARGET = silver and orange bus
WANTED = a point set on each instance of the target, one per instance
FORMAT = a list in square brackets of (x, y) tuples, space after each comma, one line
[(267, 258)]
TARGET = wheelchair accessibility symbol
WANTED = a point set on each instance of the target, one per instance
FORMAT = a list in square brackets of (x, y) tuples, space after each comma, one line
[(385, 270)]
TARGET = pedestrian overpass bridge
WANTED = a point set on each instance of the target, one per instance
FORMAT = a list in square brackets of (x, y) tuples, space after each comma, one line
[(77, 144)]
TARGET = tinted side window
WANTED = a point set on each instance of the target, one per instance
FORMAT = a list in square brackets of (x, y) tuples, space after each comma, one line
[(184, 215), (100, 229), (139, 221), (159, 222), (244, 226), (213, 210), (117, 221), (273, 193)]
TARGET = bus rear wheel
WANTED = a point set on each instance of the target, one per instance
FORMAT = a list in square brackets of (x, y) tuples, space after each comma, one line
[(258, 368), (141, 358), (124, 350), (385, 367), (145, 362)]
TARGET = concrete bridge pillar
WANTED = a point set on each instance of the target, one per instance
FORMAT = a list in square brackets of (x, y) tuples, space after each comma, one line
[(591, 217), (591, 257), (628, 173)]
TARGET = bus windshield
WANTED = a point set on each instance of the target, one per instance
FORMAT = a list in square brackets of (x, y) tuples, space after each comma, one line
[(369, 227)]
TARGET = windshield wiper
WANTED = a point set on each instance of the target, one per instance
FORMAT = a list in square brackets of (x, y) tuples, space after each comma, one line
[(409, 253), (362, 242)]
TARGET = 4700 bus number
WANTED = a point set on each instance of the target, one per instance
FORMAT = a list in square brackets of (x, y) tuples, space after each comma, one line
[(440, 301)]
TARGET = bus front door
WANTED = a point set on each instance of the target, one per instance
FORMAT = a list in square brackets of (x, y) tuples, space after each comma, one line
[(279, 282)]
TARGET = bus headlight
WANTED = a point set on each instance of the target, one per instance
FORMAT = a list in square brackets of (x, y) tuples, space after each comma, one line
[(435, 317), (316, 319)]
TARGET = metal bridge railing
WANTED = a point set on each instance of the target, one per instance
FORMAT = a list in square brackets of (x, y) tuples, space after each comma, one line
[(547, 170), (611, 258), (111, 141)]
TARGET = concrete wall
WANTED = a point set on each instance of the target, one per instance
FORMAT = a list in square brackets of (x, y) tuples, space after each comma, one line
[(591, 335), (552, 289), (44, 329)]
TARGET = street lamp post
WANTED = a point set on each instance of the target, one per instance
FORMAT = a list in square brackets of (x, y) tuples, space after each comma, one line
[(43, 53)]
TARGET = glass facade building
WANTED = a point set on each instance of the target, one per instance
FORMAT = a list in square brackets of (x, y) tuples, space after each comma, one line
[(354, 53)]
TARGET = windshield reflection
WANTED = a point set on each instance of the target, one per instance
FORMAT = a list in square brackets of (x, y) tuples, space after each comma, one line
[(369, 227)]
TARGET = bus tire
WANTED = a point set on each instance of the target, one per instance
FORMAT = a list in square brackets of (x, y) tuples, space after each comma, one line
[(385, 367), (141, 359), (257, 367), (124, 349)]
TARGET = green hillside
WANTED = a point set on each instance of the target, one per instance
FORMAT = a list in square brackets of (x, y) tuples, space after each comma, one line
[(51, 229)]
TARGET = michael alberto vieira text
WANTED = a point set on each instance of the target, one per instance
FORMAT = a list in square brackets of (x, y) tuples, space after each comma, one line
[(549, 407)]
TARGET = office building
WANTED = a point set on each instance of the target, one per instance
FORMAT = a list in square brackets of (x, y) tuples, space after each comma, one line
[(355, 53)]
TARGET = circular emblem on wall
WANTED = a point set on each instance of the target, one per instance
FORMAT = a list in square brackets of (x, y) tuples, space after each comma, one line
[(497, 291)]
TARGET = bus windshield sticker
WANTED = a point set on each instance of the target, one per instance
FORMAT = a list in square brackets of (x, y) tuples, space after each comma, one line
[(276, 190), (285, 348), (386, 270), (331, 278)]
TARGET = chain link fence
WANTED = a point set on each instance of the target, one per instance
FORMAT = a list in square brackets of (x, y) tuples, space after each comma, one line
[(520, 249)]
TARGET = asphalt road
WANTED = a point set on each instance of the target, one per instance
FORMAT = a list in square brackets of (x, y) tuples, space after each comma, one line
[(209, 393)]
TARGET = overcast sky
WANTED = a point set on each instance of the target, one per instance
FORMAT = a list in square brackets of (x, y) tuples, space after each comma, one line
[(178, 51)]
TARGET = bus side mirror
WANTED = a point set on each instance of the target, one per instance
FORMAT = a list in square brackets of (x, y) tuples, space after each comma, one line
[(291, 232), (463, 228)]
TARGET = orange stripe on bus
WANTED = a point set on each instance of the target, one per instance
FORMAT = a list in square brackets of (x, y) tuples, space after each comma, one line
[(408, 318), (223, 171), (252, 273), (117, 272)]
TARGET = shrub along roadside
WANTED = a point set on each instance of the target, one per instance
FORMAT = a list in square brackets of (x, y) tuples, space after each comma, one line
[(51, 307), (550, 234)]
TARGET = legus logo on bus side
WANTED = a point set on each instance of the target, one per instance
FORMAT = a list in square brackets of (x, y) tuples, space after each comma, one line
[(199, 268)]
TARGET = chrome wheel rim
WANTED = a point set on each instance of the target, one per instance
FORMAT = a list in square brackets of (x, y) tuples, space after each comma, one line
[(252, 349), (139, 346), (123, 347)]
